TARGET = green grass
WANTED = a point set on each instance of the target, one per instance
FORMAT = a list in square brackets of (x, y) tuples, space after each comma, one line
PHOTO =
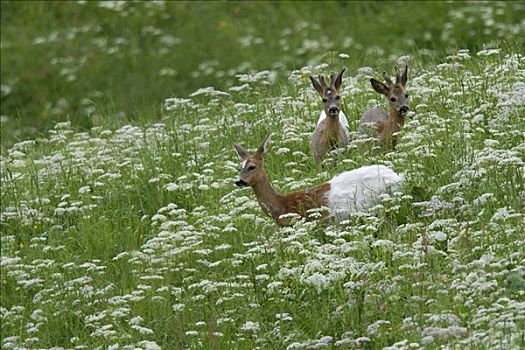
[(97, 66), (123, 233)]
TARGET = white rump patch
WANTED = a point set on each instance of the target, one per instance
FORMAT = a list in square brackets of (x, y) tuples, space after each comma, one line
[(360, 189)]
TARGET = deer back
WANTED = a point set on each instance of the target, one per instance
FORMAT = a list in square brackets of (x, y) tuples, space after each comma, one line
[(369, 120)]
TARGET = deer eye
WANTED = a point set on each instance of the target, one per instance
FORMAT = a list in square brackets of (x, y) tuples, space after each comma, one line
[(251, 168), (325, 100), (406, 95), (392, 99), (338, 97)]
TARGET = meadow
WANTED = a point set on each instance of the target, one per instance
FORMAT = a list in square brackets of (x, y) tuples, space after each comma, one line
[(121, 226)]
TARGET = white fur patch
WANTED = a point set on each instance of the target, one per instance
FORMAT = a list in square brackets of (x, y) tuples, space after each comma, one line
[(342, 119), (360, 189), (243, 164)]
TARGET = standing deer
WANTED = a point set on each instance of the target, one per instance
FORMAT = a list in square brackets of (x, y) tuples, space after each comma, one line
[(352, 190), (381, 124), (332, 128)]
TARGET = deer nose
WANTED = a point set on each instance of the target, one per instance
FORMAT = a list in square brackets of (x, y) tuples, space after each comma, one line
[(241, 183), (333, 110), (403, 109)]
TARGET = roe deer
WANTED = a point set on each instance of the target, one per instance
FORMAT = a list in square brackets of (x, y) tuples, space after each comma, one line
[(383, 125), (352, 190), (332, 128)]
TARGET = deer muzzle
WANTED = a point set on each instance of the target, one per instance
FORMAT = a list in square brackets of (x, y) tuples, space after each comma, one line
[(333, 111), (403, 110), (241, 183)]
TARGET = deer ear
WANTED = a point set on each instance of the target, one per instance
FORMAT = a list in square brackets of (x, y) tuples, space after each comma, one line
[(263, 148), (241, 151), (317, 86), (404, 76), (379, 86), (339, 80)]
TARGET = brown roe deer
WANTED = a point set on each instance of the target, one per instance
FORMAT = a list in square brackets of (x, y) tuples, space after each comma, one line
[(358, 189), (376, 121), (332, 128)]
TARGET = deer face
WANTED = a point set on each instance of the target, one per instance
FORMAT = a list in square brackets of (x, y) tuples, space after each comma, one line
[(398, 99), (395, 93), (252, 167), (330, 95), (251, 172)]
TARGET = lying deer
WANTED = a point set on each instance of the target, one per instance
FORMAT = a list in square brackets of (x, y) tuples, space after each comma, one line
[(381, 124), (352, 190), (332, 131)]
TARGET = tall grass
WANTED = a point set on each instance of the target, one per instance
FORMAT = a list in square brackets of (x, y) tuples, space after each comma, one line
[(130, 235), (136, 237), (109, 63)]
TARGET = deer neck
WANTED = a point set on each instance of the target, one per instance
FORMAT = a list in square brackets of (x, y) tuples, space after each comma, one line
[(396, 120), (332, 128), (393, 123), (269, 200)]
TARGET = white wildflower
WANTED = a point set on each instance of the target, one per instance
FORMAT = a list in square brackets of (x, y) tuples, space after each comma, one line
[(250, 326)]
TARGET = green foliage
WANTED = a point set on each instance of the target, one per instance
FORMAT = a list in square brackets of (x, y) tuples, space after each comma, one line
[(134, 236), (110, 63)]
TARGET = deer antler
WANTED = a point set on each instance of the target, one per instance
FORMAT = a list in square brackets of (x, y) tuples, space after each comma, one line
[(323, 82), (333, 77), (387, 79), (398, 76)]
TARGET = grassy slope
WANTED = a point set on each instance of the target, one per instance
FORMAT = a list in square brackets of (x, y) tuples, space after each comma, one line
[(135, 235), (107, 232), (94, 66)]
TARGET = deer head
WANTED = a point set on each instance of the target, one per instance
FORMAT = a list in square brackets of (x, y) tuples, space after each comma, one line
[(331, 95), (252, 167), (394, 92)]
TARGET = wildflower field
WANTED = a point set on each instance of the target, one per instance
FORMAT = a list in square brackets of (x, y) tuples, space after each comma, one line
[(121, 226)]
